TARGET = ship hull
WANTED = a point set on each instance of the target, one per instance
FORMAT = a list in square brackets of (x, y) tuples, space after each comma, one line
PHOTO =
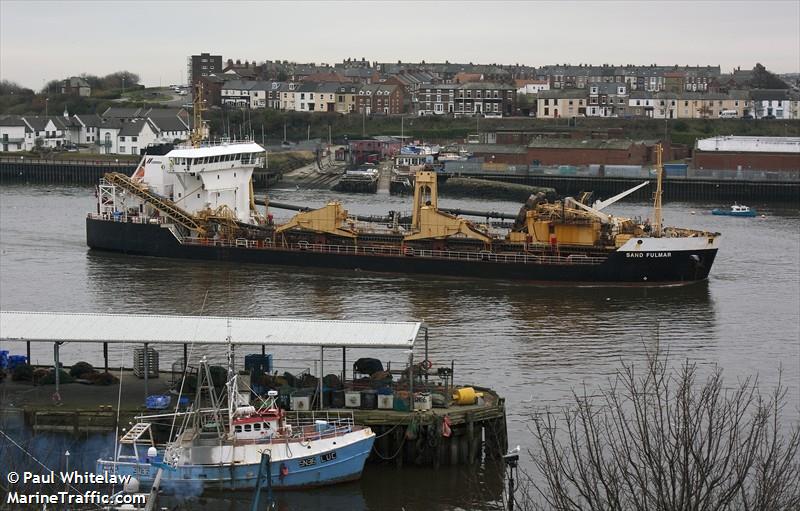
[(332, 466), (664, 266)]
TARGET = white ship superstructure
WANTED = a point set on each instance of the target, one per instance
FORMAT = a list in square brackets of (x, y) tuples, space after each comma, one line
[(204, 178)]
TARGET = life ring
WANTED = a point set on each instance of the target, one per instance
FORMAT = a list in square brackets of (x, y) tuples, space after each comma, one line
[(56, 397), (284, 471), (426, 364)]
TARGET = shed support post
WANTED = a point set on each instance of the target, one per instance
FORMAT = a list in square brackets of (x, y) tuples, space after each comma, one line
[(426, 355), (344, 365), (146, 370), (28, 350), (411, 380), (321, 372), (105, 356), (57, 367)]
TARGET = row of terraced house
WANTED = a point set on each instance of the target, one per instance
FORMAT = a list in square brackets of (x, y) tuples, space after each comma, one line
[(115, 131), (616, 100)]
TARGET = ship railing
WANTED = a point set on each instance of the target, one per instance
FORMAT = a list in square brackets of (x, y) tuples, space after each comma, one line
[(486, 256), (120, 216), (320, 423)]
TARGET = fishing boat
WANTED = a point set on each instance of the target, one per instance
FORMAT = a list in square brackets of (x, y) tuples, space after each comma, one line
[(736, 210), (221, 440)]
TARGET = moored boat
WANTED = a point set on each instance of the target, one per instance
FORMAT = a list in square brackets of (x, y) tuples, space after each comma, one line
[(222, 438), (198, 203), (736, 210)]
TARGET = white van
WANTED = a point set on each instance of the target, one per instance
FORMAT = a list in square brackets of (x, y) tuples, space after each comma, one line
[(728, 114)]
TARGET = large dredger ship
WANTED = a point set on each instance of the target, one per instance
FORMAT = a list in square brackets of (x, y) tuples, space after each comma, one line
[(198, 203)]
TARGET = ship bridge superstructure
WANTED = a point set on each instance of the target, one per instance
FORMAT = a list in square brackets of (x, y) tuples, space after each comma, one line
[(213, 177)]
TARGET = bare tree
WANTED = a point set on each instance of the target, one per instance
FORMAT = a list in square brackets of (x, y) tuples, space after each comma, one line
[(664, 440)]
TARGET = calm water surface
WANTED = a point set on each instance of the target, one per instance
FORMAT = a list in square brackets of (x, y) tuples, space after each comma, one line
[(533, 344)]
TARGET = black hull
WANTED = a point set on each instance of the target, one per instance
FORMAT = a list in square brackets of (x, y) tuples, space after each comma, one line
[(154, 240)]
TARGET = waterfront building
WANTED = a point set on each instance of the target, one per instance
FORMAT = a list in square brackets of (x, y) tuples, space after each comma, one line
[(748, 153), (15, 134)]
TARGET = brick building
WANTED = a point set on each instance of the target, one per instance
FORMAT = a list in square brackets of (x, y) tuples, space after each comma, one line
[(567, 151), (380, 99), (203, 65)]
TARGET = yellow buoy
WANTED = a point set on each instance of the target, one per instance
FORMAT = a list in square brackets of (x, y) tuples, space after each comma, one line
[(466, 396)]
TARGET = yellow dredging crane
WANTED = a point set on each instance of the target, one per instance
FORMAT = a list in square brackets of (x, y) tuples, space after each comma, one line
[(198, 107), (657, 195)]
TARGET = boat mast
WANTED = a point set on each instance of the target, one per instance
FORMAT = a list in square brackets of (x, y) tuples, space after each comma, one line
[(198, 106), (657, 194)]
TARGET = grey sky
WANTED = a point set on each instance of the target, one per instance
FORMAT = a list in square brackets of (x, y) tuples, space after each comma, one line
[(41, 40)]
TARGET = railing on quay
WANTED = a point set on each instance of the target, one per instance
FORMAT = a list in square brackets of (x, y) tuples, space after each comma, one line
[(76, 162), (480, 168)]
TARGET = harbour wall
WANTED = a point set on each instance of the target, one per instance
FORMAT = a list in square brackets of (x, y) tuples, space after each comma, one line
[(88, 172)]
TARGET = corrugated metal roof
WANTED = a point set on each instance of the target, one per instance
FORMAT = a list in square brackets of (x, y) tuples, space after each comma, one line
[(750, 144), (140, 328)]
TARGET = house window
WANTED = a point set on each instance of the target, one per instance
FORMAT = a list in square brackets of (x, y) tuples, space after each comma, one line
[(546, 111), (122, 139), (134, 139), (122, 149)]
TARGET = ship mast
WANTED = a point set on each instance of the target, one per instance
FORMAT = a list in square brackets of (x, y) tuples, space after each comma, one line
[(198, 107), (657, 194)]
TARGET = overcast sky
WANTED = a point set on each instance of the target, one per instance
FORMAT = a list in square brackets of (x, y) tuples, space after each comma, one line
[(41, 40)]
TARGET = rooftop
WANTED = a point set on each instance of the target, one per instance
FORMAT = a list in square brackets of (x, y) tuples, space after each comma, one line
[(750, 144), (140, 328)]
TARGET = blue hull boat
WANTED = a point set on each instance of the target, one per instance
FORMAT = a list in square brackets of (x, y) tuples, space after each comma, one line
[(220, 444), (736, 210)]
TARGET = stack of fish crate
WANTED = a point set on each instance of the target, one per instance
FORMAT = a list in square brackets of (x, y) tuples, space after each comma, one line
[(152, 362)]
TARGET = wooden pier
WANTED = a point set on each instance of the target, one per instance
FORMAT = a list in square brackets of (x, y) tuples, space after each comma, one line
[(402, 437)]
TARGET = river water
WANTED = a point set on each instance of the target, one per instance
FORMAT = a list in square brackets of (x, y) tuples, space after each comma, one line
[(534, 345)]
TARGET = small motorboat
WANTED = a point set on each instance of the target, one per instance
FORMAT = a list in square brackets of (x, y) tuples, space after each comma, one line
[(736, 210)]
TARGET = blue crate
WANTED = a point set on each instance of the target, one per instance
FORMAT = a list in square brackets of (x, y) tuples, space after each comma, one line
[(16, 360), (3, 359)]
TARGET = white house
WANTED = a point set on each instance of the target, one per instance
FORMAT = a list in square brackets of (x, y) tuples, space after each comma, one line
[(771, 104), (169, 128), (607, 99), (89, 127), (15, 134), (236, 93), (51, 131), (531, 86), (135, 135)]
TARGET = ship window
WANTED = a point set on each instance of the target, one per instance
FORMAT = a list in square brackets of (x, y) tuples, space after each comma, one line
[(238, 429), (198, 195), (257, 426), (217, 176), (234, 174), (179, 195), (248, 427)]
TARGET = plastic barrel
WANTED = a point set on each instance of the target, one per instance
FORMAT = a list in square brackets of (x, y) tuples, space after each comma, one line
[(369, 400), (466, 396)]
